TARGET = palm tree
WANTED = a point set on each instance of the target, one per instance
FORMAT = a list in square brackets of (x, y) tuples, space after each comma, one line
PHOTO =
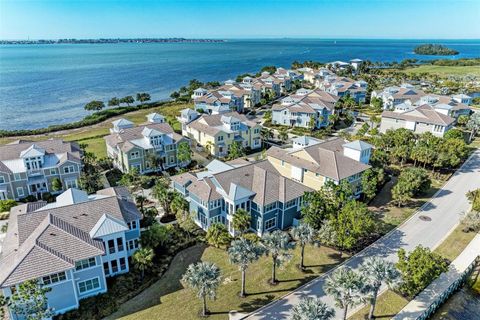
[(241, 220), (376, 271), (217, 235), (312, 309), (204, 277), (283, 134), (266, 134), (153, 160), (143, 259), (243, 252), (208, 146), (304, 234), (345, 286), (140, 200), (277, 244)]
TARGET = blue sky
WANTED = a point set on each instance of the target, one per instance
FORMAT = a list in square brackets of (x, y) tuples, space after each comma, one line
[(422, 19)]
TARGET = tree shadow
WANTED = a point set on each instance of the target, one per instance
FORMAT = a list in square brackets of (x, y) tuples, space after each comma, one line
[(257, 303)]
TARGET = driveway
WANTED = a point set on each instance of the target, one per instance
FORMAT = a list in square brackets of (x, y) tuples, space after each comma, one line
[(444, 209)]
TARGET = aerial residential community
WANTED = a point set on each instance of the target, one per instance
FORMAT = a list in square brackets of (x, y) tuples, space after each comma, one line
[(189, 178)]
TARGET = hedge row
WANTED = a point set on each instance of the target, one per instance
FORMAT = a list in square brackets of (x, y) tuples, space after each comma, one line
[(92, 119)]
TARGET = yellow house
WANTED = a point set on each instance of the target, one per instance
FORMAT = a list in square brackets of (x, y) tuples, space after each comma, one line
[(216, 133), (312, 164)]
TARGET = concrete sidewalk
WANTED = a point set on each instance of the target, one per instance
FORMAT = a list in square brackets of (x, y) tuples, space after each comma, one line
[(433, 292)]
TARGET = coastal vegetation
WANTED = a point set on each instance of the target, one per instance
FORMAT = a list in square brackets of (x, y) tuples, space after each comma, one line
[(92, 135), (434, 49)]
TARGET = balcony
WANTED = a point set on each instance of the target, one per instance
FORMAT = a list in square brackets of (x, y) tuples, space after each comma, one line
[(34, 173)]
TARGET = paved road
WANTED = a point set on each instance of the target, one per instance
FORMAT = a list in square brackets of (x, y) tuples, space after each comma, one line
[(445, 211)]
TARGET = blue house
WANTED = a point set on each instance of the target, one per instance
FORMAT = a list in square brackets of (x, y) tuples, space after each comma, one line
[(273, 200), (71, 245)]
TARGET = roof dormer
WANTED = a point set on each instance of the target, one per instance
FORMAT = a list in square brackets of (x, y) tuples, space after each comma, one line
[(121, 124), (155, 118)]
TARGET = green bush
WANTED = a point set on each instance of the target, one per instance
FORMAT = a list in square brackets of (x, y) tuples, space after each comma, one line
[(6, 205), (419, 268)]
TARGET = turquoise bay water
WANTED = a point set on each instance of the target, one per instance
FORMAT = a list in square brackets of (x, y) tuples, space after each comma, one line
[(41, 85)]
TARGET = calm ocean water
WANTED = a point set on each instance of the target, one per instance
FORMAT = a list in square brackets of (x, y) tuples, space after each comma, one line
[(42, 85)]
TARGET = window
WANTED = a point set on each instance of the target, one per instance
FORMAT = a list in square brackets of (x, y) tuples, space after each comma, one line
[(256, 130), (132, 244), (54, 278), (283, 163), (111, 246), (2, 179), (291, 203), (270, 207), (172, 159), (132, 225), (106, 268), (17, 176), (20, 192), (135, 155), (120, 244), (71, 183), (220, 138), (114, 266), (84, 264), (69, 169), (270, 223), (88, 285), (123, 265), (53, 171)]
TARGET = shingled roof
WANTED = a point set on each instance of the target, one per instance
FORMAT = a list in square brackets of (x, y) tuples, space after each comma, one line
[(326, 158), (48, 238), (56, 150), (424, 114), (123, 140)]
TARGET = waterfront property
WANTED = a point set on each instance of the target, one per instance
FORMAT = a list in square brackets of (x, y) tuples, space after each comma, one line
[(421, 119), (30, 168), (150, 147), (70, 245), (220, 100), (343, 86), (450, 106), (270, 84), (391, 97), (247, 92), (305, 108), (214, 195), (312, 163), (407, 97), (216, 133)]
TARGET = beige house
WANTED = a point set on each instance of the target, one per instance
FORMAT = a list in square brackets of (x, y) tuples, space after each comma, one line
[(28, 168), (216, 133), (419, 120), (129, 146), (315, 164)]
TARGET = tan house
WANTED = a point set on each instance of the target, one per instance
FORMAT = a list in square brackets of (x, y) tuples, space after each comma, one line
[(315, 164), (216, 133), (28, 168)]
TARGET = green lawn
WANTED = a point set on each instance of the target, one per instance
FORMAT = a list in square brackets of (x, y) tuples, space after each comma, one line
[(93, 135), (455, 243), (168, 299), (392, 215), (389, 304), (446, 70)]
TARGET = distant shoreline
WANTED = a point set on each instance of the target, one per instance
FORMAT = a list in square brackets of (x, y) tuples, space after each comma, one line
[(110, 40)]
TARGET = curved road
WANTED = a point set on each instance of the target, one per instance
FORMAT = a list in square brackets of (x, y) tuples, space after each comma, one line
[(444, 209)]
